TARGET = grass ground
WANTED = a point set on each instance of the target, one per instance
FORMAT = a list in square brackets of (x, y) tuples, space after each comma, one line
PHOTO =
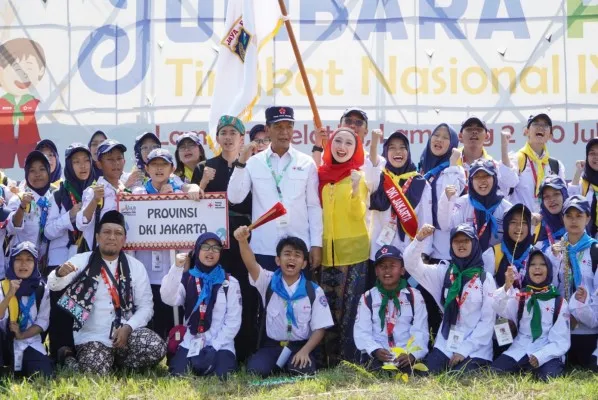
[(344, 382)]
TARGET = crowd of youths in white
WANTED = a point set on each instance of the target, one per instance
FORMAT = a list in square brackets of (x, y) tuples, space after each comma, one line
[(481, 263)]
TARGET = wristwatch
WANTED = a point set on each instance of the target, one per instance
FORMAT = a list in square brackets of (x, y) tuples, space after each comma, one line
[(317, 148), (239, 164)]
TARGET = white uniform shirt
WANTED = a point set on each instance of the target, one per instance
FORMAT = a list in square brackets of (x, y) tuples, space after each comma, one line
[(299, 187), (309, 317), (381, 219), (555, 339), (97, 327), (369, 336), (476, 316), (525, 191), (458, 210), (442, 237), (40, 318), (29, 229), (587, 278), (586, 313), (57, 232), (88, 227), (226, 315)]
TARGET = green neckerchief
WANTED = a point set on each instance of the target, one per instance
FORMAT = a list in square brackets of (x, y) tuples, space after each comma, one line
[(544, 294), (455, 288), (69, 188), (18, 114), (389, 294)]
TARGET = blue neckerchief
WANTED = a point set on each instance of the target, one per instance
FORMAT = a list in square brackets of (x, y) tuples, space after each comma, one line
[(25, 314), (489, 213), (572, 250), (436, 170), (215, 277), (277, 286), (518, 262), (150, 189), (43, 205)]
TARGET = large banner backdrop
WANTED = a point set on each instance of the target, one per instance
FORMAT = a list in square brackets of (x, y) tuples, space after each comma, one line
[(127, 66)]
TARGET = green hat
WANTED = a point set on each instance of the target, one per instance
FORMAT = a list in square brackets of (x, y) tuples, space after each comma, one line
[(228, 120)]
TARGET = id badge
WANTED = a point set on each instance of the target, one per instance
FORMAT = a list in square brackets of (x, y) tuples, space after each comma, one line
[(156, 261), (455, 338), (195, 346), (503, 332), (115, 325), (18, 360), (282, 221), (387, 235), (284, 357)]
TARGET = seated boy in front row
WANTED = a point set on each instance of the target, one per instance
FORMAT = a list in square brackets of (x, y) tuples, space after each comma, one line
[(389, 315), (296, 310)]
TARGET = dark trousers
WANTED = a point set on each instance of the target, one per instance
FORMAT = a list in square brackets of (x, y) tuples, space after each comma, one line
[(580, 352), (163, 319), (208, 362), (437, 362), (60, 329), (35, 362), (263, 362), (550, 369)]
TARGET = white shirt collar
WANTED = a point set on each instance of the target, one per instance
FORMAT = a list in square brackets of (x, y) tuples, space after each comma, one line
[(291, 289)]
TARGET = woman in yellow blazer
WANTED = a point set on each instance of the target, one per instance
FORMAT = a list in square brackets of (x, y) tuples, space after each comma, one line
[(346, 243)]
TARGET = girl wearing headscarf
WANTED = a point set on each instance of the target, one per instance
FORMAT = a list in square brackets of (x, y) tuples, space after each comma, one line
[(189, 153), (25, 308), (30, 209), (50, 150), (96, 139), (553, 194), (386, 225), (541, 315), (515, 247), (439, 166), (588, 187), (144, 144), (212, 302), (345, 249), (61, 230), (464, 290), (483, 207)]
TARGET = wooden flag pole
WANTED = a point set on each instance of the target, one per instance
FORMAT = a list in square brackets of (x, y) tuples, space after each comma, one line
[(310, 95)]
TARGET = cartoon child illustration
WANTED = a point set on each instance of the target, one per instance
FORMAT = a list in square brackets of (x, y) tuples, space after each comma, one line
[(22, 66)]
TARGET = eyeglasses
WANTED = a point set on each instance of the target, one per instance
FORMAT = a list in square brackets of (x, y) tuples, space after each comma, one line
[(541, 126), (188, 146), (148, 149), (353, 121), (263, 141), (211, 247)]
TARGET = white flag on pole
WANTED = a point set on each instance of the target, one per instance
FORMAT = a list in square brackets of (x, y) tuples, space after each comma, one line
[(249, 25)]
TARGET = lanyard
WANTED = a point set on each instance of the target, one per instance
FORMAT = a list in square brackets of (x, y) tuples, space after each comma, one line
[(390, 326), (460, 300), (533, 168), (549, 234), (475, 225), (202, 308), (25, 315), (278, 177), (112, 283)]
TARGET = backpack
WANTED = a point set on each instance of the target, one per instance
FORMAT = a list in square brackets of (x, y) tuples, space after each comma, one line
[(13, 304), (177, 332), (447, 283), (367, 299), (311, 294), (553, 163), (558, 303)]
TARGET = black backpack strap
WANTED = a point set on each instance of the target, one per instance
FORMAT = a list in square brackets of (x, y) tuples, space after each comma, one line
[(225, 288), (594, 256), (520, 307), (558, 304), (367, 299), (554, 165), (412, 300), (98, 213), (262, 330), (311, 292), (39, 295), (445, 285)]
